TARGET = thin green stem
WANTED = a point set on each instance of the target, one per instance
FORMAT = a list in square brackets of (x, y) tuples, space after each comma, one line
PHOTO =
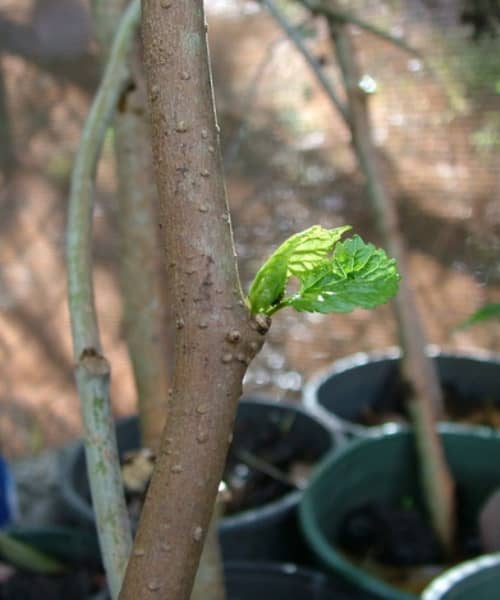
[(81, 294), (276, 307), (92, 369)]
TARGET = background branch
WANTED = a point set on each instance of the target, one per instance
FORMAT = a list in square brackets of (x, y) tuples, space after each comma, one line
[(342, 17), (297, 40), (426, 403), (92, 369), (139, 244)]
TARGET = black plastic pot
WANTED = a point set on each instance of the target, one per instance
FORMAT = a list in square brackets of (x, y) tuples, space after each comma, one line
[(362, 381), (384, 468), (248, 581), (278, 581), (269, 532), (473, 580)]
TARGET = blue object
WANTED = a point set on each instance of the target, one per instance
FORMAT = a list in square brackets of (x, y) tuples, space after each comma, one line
[(7, 495)]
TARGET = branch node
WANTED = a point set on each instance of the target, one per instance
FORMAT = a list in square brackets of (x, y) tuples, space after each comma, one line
[(94, 363), (233, 336), (261, 323)]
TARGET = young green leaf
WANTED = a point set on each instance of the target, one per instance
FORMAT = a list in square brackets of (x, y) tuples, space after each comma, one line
[(297, 256), (356, 275)]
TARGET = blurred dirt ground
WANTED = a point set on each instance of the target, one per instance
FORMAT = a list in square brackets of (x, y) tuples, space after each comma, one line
[(288, 166)]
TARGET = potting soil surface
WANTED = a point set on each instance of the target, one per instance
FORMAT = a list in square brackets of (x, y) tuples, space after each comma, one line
[(394, 542), (458, 407)]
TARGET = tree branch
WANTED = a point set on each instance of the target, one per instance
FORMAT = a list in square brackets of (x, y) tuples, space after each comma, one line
[(139, 247), (216, 336), (426, 404), (8, 157), (139, 267), (92, 370), (247, 104), (250, 96), (295, 37), (334, 14)]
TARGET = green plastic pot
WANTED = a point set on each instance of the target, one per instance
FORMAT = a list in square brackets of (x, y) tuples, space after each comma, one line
[(353, 384), (384, 467), (475, 579)]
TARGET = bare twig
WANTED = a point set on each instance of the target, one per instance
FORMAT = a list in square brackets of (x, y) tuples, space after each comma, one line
[(249, 99), (296, 38), (334, 14), (92, 370), (250, 96), (259, 464), (8, 157), (426, 402)]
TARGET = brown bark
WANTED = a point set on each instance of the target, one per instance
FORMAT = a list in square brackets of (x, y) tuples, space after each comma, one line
[(209, 580), (8, 158), (139, 265), (216, 336), (426, 404), (139, 255)]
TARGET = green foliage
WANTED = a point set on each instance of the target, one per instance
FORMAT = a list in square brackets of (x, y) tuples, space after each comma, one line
[(334, 276), (488, 311)]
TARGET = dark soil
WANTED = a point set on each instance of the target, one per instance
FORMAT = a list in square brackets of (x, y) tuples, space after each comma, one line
[(394, 540), (390, 534), (395, 393), (251, 454)]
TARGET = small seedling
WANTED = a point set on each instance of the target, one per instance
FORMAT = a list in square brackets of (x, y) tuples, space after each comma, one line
[(333, 275)]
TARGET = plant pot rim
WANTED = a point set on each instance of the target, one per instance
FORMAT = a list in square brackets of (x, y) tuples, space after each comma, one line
[(300, 574), (445, 582), (340, 426), (323, 548), (272, 567), (261, 514)]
